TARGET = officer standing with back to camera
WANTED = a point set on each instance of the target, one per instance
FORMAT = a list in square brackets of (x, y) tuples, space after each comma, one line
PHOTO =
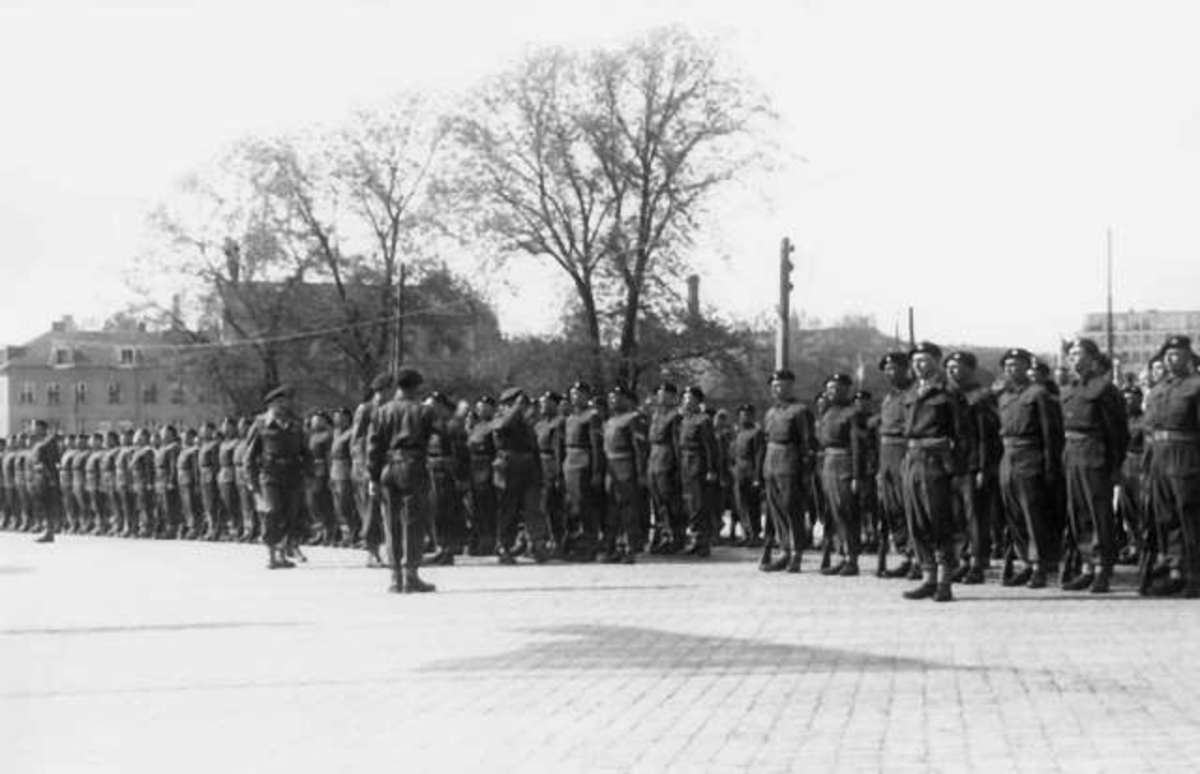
[(397, 444), (277, 460)]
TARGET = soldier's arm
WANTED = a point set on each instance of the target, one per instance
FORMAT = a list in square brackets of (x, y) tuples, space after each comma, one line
[(759, 445), (966, 458), (378, 438), (1051, 432), (1116, 429), (252, 460), (858, 446), (596, 434)]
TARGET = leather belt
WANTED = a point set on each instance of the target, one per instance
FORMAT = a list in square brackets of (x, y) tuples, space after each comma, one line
[(1081, 435), (893, 440), (929, 443), (836, 451), (1017, 442)]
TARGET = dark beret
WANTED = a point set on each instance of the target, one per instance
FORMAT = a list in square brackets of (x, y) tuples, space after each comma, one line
[(282, 391), (188, 433), (695, 392), (511, 394), (553, 396), (582, 386), (408, 378), (1016, 353), (783, 375), (1176, 342), (625, 392), (927, 348), (862, 395), (1087, 345), (963, 357), (899, 359), (843, 379), (487, 399), (441, 399), (747, 408), (668, 387), (382, 383)]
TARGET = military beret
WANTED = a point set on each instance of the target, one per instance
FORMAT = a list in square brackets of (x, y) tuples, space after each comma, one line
[(553, 396), (898, 359), (710, 411), (926, 348), (783, 375), (487, 399), (1016, 353), (511, 394), (963, 357), (695, 392), (1132, 392), (839, 378), (598, 401), (440, 399), (582, 386), (187, 433), (668, 387), (408, 378), (382, 383), (342, 410), (624, 392), (1087, 345), (746, 408), (862, 395), (282, 391), (1176, 342)]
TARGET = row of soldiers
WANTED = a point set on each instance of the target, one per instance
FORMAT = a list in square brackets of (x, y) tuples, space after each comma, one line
[(949, 473)]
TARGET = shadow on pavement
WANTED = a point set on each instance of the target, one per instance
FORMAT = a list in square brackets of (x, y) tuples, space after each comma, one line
[(526, 589), (180, 627), (633, 648), (5, 570)]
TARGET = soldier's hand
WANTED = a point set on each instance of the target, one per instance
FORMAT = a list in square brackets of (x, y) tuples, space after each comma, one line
[(854, 486), (979, 480), (710, 477), (372, 488)]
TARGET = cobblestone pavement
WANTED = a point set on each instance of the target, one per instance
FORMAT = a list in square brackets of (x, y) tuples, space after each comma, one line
[(131, 656)]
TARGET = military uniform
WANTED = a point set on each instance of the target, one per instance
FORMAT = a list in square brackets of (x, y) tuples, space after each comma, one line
[(447, 462), (128, 496), (209, 463), (66, 490), (233, 519), (517, 477), (747, 450), (141, 476), (341, 485), (663, 474), (112, 488), (277, 460), (251, 522), (977, 495), (83, 507), (1097, 438), (551, 453), (839, 432), (787, 427), (623, 437), (583, 475), (369, 513), (43, 464), (187, 480), (1031, 430), (318, 495), (699, 465), (1174, 413), (481, 448)]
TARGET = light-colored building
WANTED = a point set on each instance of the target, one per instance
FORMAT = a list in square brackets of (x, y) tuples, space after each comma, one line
[(1137, 336), (88, 381)]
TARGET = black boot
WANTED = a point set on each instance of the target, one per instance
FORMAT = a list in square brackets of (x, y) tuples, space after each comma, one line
[(414, 585), (925, 590), (1101, 584)]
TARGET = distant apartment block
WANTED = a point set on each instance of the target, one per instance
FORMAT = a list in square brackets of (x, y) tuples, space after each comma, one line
[(1138, 335)]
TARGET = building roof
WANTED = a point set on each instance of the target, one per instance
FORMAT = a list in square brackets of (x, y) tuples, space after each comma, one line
[(89, 348)]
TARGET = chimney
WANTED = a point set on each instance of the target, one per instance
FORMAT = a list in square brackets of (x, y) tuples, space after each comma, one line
[(693, 297), (233, 265)]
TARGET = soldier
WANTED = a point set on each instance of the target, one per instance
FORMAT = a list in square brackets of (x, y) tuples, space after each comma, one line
[(141, 475), (43, 461), (108, 483), (323, 528), (25, 482), (977, 495), (124, 483), (1029, 469), (1058, 545), (447, 463), (251, 524), (517, 477), (209, 462), (939, 441), (481, 448), (746, 451), (787, 427), (720, 491), (867, 498), (187, 479), (66, 484), (369, 512), (5, 504), (94, 483), (669, 524), (1130, 513), (623, 439), (839, 430), (699, 462), (227, 480), (552, 450), (341, 483), (397, 441), (1174, 416), (166, 484), (583, 469), (1097, 438), (277, 460), (79, 464)]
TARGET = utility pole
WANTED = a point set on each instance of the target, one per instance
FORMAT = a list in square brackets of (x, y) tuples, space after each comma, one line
[(398, 332), (912, 330), (1108, 319), (783, 332)]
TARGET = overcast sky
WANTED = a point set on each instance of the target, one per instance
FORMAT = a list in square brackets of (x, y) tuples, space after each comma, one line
[(961, 157)]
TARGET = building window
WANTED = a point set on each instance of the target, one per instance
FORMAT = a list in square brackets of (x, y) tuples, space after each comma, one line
[(114, 393), (53, 394), (80, 393), (26, 393), (177, 394), (62, 356), (150, 393), (127, 357)]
